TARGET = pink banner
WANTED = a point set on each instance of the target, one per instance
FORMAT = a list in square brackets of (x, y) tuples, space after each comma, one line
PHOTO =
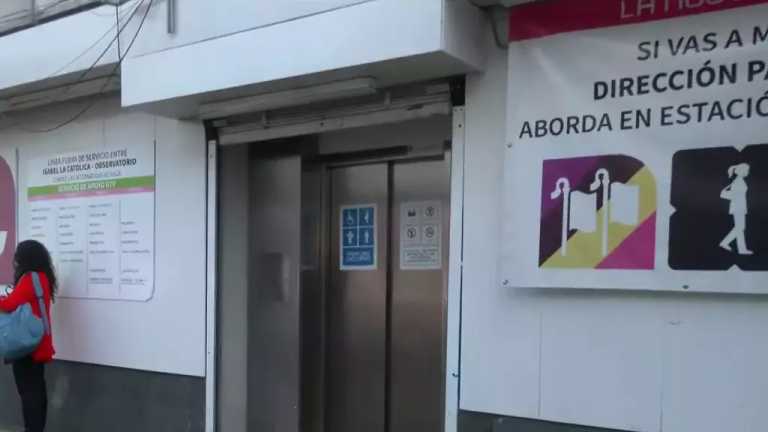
[(550, 17)]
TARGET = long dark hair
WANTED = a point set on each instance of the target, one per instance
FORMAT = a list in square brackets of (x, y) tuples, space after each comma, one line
[(32, 256)]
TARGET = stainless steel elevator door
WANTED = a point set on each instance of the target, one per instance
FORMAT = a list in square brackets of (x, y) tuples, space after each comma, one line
[(357, 311), (418, 297), (386, 327), (273, 294)]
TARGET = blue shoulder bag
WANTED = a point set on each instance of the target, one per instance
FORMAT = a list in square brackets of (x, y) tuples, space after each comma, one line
[(21, 331)]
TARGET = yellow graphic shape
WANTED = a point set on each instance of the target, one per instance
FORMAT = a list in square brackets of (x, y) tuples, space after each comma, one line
[(585, 249)]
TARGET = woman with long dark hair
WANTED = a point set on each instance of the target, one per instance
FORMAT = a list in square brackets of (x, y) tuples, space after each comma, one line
[(29, 372)]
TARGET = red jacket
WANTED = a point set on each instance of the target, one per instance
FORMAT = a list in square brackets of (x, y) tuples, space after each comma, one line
[(24, 293)]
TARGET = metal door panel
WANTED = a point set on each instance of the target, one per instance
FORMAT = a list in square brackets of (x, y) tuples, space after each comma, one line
[(232, 315), (418, 308), (356, 339), (273, 294), (313, 270)]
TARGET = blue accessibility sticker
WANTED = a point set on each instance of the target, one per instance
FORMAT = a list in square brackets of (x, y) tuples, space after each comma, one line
[(358, 237)]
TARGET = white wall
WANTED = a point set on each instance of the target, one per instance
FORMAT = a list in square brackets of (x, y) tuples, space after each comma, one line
[(224, 49), (199, 20), (167, 333), (633, 361), (11, 6), (59, 47), (361, 34), (74, 43)]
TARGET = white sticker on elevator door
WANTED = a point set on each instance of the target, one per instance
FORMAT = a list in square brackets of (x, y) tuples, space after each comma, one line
[(420, 235), (358, 237)]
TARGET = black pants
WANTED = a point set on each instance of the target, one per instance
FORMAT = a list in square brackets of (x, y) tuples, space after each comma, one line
[(30, 382)]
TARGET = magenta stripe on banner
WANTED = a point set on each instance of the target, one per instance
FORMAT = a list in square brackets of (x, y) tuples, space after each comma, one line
[(550, 17), (89, 194)]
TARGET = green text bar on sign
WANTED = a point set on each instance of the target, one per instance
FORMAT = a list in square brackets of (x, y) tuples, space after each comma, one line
[(139, 183)]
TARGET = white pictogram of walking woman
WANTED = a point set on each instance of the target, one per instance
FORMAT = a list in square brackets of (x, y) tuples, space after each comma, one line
[(736, 193)]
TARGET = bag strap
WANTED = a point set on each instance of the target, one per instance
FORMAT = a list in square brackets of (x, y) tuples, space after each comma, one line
[(41, 301)]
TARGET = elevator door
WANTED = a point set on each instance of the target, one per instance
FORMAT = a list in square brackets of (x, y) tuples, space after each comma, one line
[(386, 322)]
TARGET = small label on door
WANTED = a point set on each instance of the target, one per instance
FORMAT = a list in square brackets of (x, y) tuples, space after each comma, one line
[(357, 230), (420, 235)]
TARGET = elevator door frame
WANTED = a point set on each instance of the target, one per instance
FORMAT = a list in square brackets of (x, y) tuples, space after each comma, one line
[(455, 275), (454, 290)]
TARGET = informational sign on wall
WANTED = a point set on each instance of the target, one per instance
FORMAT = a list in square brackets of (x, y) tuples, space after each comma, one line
[(638, 149), (358, 237), (420, 235), (95, 211)]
